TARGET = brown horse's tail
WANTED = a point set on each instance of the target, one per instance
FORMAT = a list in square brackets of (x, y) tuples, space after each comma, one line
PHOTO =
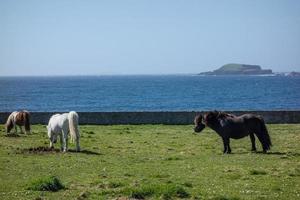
[(26, 117), (264, 136)]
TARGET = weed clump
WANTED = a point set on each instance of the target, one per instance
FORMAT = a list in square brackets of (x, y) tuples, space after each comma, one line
[(91, 132), (225, 198), (163, 191), (52, 184)]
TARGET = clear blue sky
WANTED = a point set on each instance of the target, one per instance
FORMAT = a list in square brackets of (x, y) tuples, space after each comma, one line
[(58, 37)]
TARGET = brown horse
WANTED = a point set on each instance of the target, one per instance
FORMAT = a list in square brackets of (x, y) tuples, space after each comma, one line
[(230, 126), (20, 119)]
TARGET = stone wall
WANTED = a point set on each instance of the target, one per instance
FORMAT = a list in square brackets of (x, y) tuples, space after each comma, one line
[(109, 118)]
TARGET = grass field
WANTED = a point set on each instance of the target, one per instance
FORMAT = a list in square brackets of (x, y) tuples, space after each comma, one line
[(151, 162)]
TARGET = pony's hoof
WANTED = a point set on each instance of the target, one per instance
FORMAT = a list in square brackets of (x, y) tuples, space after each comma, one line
[(227, 152)]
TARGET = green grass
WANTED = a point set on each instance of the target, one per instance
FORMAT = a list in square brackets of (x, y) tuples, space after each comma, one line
[(151, 162)]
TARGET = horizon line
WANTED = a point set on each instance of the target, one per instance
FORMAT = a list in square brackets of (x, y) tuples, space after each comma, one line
[(133, 74)]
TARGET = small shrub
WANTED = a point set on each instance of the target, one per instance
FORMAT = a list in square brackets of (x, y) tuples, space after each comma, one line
[(187, 184), (46, 184), (171, 191), (257, 172), (142, 193)]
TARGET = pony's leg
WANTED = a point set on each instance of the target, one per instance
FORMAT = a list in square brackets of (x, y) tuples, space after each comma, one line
[(62, 141), (227, 148), (16, 130), (252, 137), (225, 145), (51, 140), (261, 139), (77, 144), (15, 127), (65, 140), (21, 129)]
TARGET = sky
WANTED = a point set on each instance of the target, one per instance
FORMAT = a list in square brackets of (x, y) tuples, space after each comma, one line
[(76, 37)]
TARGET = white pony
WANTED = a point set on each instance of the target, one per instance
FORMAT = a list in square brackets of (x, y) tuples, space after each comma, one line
[(61, 125)]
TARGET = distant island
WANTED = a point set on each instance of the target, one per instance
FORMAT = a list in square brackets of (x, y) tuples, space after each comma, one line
[(239, 69), (293, 74)]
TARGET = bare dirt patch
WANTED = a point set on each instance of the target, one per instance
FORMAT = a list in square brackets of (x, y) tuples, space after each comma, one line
[(44, 149), (39, 150)]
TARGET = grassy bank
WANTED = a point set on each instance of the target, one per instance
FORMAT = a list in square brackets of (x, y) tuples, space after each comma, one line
[(152, 162)]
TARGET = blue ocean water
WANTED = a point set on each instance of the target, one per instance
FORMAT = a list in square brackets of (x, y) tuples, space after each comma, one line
[(149, 93)]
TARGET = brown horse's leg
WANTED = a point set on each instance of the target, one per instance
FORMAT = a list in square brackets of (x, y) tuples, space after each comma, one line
[(252, 137)]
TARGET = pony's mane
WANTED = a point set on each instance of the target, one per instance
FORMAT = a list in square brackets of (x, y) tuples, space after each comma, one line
[(223, 115), (219, 114), (215, 115), (198, 119), (10, 122)]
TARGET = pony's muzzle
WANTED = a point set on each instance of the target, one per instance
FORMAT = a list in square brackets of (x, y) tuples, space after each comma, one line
[(199, 128)]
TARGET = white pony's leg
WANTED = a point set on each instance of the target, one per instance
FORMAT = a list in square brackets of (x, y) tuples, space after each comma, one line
[(50, 135), (51, 138), (65, 139), (51, 144), (62, 145)]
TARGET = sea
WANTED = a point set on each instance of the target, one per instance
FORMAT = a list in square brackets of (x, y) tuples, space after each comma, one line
[(149, 93)]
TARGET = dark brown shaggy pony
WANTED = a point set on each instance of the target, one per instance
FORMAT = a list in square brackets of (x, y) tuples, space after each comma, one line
[(20, 119), (230, 126)]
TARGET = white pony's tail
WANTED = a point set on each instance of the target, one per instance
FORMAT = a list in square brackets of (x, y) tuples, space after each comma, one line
[(73, 126)]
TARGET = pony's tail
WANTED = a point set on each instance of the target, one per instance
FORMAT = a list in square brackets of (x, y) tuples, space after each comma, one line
[(26, 121), (73, 126), (264, 137)]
